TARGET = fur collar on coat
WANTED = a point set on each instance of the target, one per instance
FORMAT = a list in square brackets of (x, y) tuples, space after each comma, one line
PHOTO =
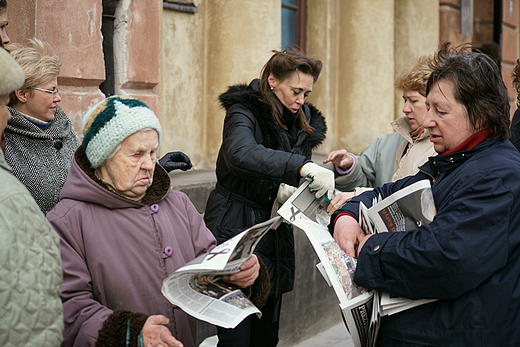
[(251, 99)]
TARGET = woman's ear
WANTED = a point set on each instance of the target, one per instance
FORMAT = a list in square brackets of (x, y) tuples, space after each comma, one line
[(272, 81), (21, 95)]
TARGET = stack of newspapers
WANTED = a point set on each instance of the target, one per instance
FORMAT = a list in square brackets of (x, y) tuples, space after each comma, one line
[(362, 309)]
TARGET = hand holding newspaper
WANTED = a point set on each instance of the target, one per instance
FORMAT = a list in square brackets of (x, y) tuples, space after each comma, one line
[(404, 210), (197, 287)]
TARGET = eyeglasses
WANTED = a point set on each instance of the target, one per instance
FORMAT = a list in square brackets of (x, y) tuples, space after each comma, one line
[(53, 91)]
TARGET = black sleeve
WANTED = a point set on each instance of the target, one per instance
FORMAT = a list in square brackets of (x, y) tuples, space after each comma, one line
[(248, 159)]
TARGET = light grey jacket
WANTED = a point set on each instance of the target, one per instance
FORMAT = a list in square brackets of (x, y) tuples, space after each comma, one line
[(388, 158), (30, 269)]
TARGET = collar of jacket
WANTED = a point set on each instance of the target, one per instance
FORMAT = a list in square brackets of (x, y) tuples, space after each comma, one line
[(56, 130), (402, 126), (447, 163), (251, 99), (154, 194)]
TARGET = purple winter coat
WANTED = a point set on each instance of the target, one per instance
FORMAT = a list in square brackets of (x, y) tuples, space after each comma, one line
[(113, 252)]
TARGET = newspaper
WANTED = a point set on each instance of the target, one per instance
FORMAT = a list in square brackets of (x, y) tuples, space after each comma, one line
[(197, 287), (356, 303), (362, 309)]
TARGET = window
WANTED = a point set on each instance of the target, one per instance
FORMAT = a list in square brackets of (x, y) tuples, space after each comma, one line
[(294, 23)]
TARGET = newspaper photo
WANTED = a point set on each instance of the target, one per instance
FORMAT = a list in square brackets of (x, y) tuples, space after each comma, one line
[(197, 287), (406, 209)]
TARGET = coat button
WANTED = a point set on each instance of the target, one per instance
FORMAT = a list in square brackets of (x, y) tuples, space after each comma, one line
[(376, 248), (154, 208), (168, 251)]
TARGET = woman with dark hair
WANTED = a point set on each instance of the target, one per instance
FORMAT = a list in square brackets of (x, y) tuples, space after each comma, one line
[(269, 134), (468, 257)]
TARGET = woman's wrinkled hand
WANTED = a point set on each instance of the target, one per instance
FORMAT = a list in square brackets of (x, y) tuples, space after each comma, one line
[(156, 334), (339, 200), (247, 275)]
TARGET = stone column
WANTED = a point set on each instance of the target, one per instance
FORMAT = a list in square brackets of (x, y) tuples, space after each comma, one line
[(322, 34), (137, 50), (365, 73), (182, 83), (416, 33), (239, 38)]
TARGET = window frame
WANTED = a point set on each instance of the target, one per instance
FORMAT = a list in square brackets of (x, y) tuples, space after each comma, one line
[(301, 22)]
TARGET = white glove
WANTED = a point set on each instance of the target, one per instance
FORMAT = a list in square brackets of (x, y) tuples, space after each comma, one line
[(322, 180), (284, 192)]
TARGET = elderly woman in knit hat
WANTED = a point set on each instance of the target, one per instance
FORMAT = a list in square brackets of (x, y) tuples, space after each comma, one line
[(123, 230), (30, 265)]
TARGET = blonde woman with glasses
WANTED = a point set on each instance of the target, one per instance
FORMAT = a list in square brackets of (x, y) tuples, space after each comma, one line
[(40, 142)]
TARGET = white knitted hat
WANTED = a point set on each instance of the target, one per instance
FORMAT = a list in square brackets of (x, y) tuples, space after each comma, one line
[(11, 74), (110, 122)]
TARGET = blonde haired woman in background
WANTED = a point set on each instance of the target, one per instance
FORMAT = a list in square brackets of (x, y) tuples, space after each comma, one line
[(40, 142)]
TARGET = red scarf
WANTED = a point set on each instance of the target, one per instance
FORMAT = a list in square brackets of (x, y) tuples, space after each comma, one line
[(471, 142)]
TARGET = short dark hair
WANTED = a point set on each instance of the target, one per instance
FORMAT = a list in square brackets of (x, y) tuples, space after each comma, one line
[(478, 86)]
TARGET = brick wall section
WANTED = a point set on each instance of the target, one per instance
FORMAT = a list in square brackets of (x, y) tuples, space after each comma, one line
[(449, 16)]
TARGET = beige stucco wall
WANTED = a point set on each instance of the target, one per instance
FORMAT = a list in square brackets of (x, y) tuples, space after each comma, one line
[(203, 53), (416, 33), (322, 35), (181, 89), (224, 43), (365, 70)]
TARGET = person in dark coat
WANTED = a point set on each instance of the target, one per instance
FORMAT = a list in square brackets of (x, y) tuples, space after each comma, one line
[(468, 257), (268, 138)]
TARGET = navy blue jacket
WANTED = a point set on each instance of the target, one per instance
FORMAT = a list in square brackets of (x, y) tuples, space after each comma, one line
[(468, 257)]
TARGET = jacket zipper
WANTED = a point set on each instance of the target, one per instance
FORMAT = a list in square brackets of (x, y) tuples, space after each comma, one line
[(433, 178)]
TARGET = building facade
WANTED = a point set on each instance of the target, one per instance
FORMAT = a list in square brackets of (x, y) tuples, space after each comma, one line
[(179, 55)]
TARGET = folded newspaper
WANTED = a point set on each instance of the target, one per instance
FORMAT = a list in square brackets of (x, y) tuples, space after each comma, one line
[(361, 308), (197, 287)]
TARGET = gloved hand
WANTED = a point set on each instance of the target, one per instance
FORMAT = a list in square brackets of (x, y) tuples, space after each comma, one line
[(284, 192), (175, 160), (322, 180)]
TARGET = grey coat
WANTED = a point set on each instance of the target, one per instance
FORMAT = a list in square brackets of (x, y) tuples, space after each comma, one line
[(36, 157), (30, 269)]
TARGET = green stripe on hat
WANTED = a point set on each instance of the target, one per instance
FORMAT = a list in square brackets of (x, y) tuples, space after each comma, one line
[(116, 119)]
